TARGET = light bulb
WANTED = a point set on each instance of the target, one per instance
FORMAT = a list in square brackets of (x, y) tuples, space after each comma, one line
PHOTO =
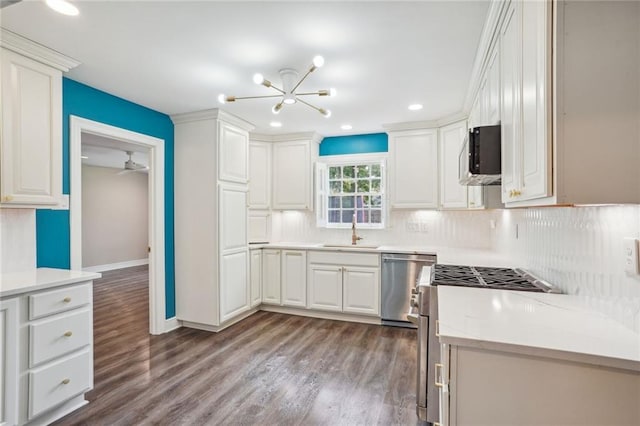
[(318, 61), (64, 7), (333, 92), (289, 99), (276, 108), (222, 98), (325, 112), (258, 78)]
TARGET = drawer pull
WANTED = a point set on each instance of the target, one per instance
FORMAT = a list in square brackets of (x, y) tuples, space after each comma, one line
[(66, 381), (437, 328), (68, 334), (66, 299), (438, 367)]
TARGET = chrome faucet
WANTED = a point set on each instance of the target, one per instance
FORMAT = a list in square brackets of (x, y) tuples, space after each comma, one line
[(354, 236)]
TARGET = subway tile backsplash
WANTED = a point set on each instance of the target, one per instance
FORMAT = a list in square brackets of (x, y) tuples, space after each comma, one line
[(17, 240)]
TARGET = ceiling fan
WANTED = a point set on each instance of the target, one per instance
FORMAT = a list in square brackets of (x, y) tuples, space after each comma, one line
[(288, 93), (132, 166)]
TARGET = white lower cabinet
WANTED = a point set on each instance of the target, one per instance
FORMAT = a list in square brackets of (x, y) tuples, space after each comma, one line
[(46, 363), (234, 284), (271, 277), (477, 386), (255, 277), (325, 287), (344, 282), (294, 278)]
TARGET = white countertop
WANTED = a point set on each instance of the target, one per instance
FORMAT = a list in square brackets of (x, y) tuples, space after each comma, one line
[(550, 325), (446, 255), (41, 278)]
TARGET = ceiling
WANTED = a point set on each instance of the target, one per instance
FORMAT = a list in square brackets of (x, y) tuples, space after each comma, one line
[(106, 152), (178, 56)]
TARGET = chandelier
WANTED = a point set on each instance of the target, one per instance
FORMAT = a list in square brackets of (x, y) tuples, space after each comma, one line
[(288, 93)]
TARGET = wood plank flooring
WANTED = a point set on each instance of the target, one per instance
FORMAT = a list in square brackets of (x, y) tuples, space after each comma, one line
[(270, 369)]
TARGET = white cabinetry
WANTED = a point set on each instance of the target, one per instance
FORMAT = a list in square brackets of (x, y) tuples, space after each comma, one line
[(293, 158), (255, 276), (31, 123), (452, 194), (475, 383), (259, 174), (212, 258), (46, 356), (294, 278), (9, 362), (271, 277), (413, 169), (344, 282)]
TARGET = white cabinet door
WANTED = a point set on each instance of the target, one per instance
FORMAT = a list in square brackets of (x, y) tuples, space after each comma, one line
[(9, 362), (475, 197), (234, 284), (325, 287), (233, 151), (294, 278), (361, 290), (232, 226), (31, 142), (510, 47), (492, 86), (536, 140), (292, 175), (452, 194), (271, 276), (414, 169), (255, 277), (474, 114), (259, 226), (259, 175)]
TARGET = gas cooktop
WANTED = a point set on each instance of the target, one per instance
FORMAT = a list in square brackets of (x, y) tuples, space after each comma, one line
[(484, 277)]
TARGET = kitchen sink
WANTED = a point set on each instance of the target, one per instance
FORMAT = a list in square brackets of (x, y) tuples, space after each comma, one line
[(348, 246)]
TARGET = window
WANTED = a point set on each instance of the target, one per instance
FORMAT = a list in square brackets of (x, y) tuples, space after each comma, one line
[(355, 188)]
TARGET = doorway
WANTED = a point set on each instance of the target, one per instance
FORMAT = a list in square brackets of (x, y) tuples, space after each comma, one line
[(80, 127)]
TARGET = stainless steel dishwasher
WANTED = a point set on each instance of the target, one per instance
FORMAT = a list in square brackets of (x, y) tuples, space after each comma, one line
[(400, 272)]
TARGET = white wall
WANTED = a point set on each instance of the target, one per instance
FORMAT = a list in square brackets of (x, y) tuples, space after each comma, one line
[(580, 250), (115, 216), (17, 240)]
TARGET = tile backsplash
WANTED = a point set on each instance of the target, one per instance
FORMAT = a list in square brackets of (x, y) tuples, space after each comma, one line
[(17, 240)]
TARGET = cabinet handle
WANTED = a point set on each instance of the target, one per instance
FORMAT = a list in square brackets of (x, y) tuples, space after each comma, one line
[(68, 334), (66, 299), (7, 198), (437, 328), (516, 193), (439, 367), (66, 381)]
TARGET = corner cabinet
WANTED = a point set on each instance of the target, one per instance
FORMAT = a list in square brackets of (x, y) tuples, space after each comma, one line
[(413, 169), (31, 123), (293, 158), (211, 235)]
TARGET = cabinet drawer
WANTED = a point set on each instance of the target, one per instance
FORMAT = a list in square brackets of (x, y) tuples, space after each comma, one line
[(59, 381), (59, 300), (59, 335), (342, 258)]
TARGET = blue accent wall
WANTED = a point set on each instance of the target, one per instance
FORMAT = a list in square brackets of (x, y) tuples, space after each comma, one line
[(355, 144), (52, 226)]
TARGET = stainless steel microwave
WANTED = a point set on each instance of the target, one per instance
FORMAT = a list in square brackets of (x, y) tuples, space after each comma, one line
[(479, 160)]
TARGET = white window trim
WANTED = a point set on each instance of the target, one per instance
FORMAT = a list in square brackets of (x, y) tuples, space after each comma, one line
[(352, 159)]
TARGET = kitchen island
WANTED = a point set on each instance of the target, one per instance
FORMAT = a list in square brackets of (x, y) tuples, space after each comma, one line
[(502, 349)]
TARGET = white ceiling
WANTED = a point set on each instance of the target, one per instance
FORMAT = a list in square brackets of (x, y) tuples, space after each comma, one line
[(106, 152), (177, 56)]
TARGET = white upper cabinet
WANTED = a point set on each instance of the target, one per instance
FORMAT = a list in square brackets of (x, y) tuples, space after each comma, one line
[(452, 194), (233, 151), (294, 278), (413, 169), (492, 92), (31, 123), (259, 175), (292, 175)]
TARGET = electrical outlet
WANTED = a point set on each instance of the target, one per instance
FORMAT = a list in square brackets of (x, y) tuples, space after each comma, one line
[(423, 227), (413, 227), (631, 256)]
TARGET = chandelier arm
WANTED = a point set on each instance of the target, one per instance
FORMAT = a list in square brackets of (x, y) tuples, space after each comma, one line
[(277, 88), (308, 94), (257, 97), (309, 105), (312, 69)]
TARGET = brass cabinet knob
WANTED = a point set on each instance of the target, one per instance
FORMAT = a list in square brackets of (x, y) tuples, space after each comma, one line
[(66, 299), (68, 334), (66, 381), (516, 193), (7, 198)]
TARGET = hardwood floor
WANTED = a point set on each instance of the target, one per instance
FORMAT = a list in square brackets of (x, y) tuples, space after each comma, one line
[(268, 369)]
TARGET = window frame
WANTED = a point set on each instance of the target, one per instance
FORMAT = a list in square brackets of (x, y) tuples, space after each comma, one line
[(353, 160)]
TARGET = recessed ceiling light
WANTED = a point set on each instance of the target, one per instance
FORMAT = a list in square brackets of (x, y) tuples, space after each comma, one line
[(275, 124), (415, 107), (63, 6), (346, 127)]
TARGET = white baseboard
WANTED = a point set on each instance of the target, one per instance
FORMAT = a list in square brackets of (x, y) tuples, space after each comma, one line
[(217, 328), (119, 265), (321, 314), (171, 324)]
